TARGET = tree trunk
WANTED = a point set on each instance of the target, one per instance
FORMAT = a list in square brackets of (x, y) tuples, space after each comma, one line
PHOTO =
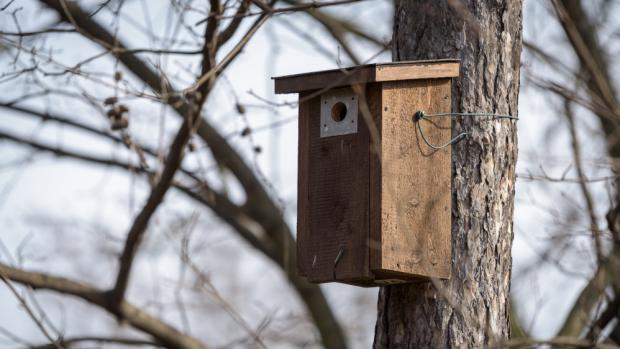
[(471, 310)]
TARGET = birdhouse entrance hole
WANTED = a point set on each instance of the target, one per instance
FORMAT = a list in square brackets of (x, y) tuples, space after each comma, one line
[(339, 109)]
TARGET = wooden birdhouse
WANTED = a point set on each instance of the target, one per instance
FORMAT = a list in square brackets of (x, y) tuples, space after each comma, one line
[(374, 199)]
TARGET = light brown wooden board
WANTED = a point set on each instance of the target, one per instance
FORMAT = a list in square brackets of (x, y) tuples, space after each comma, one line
[(415, 183), (333, 203), (366, 74)]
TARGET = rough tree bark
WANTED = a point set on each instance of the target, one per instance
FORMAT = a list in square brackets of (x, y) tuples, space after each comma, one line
[(470, 310)]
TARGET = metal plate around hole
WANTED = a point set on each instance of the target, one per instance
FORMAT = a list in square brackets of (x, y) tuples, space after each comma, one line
[(348, 125)]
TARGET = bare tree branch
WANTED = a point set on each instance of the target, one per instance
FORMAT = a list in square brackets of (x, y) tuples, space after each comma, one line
[(581, 312), (235, 216), (232, 27), (611, 311), (173, 163), (167, 335), (53, 342), (583, 38), (295, 7), (579, 30), (260, 206), (69, 342), (138, 228), (211, 73), (585, 191), (345, 26)]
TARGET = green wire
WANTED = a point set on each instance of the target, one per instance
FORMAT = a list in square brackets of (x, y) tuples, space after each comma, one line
[(495, 116), (420, 115), (437, 147)]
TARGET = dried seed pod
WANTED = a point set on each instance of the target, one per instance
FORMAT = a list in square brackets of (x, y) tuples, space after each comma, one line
[(118, 76), (110, 100), (112, 113), (119, 123), (258, 149), (246, 131)]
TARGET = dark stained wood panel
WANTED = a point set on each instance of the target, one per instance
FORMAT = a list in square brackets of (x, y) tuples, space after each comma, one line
[(334, 210), (374, 244), (303, 198)]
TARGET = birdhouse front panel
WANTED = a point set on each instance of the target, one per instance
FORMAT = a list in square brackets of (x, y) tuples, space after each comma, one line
[(412, 229), (374, 197), (333, 182)]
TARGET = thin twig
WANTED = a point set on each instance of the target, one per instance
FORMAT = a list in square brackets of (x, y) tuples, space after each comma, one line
[(30, 312)]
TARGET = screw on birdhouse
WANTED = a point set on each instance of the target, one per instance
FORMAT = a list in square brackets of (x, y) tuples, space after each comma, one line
[(338, 256), (421, 115), (340, 253), (418, 115)]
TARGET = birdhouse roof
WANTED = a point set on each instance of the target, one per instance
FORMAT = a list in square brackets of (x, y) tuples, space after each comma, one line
[(377, 72)]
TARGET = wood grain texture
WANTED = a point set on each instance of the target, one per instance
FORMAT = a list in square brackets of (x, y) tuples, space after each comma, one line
[(429, 70), (415, 181), (303, 197), (375, 182), (366, 74), (386, 200), (333, 212), (471, 309)]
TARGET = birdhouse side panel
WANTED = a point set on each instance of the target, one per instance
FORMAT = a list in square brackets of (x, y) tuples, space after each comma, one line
[(303, 197), (415, 181), (333, 203)]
